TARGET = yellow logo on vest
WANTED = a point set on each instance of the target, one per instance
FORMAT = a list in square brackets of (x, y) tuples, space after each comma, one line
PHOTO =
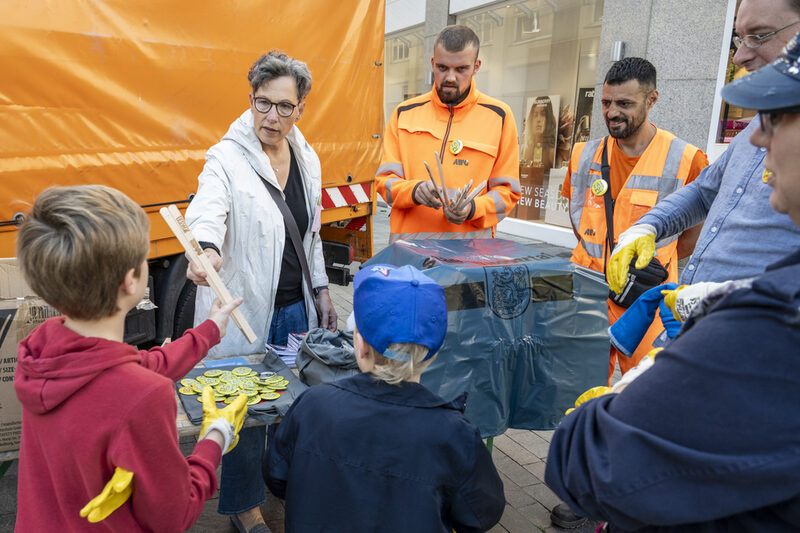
[(599, 187), (456, 147)]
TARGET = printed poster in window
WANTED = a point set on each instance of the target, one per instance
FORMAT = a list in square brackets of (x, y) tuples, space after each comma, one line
[(583, 114), (541, 132)]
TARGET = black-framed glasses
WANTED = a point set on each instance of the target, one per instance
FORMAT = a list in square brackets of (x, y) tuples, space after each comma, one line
[(284, 109), (756, 40)]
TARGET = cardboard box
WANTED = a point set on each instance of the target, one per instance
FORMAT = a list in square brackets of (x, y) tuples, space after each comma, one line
[(20, 312)]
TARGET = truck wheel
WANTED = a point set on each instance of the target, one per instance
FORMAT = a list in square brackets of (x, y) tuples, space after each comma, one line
[(184, 310)]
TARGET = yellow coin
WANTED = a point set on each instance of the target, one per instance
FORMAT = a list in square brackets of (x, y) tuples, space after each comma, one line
[(213, 373), (253, 399), (188, 382), (225, 388), (248, 386), (204, 380), (250, 393), (599, 187), (229, 399), (198, 387), (273, 379), (186, 390), (270, 395), (242, 371), (766, 175)]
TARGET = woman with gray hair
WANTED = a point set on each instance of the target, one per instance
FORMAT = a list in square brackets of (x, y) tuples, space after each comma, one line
[(242, 231)]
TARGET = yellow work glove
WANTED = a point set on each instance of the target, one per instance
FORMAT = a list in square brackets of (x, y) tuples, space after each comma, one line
[(638, 241), (671, 298), (227, 421), (114, 494), (594, 392), (682, 301)]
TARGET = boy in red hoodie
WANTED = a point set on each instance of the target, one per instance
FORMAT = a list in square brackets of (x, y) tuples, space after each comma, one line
[(99, 449)]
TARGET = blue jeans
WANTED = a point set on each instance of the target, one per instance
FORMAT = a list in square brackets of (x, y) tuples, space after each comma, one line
[(241, 486)]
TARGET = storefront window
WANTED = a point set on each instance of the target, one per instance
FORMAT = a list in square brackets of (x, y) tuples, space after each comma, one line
[(543, 64), (732, 119)]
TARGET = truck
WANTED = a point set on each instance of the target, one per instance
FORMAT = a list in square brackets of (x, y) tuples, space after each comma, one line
[(132, 93)]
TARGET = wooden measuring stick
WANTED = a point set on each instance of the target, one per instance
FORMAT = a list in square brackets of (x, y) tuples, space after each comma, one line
[(462, 194), (430, 174), (441, 178), (479, 189), (182, 232)]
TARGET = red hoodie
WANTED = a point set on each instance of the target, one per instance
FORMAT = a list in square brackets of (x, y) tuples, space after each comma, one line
[(90, 405)]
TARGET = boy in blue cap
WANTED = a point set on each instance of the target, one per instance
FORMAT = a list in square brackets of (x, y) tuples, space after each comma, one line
[(708, 438), (378, 451)]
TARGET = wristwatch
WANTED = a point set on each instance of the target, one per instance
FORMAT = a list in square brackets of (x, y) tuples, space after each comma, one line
[(317, 289)]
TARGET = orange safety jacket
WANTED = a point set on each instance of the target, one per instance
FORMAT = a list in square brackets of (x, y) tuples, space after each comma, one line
[(490, 154), (661, 170)]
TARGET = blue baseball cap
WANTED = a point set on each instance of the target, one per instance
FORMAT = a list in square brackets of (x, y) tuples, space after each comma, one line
[(399, 304), (773, 87)]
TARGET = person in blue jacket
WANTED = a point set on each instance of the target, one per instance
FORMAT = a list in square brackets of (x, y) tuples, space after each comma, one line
[(708, 439), (378, 451)]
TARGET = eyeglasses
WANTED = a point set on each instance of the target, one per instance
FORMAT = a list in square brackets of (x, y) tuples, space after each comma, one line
[(284, 109), (756, 40), (769, 120)]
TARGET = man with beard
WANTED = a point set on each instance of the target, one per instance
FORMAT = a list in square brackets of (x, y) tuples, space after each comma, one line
[(475, 137), (742, 234), (645, 164), (706, 440)]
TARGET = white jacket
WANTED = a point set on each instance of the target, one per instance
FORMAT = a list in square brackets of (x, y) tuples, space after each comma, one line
[(233, 210)]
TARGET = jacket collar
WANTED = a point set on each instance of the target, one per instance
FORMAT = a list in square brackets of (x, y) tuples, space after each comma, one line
[(242, 133), (407, 393), (469, 101)]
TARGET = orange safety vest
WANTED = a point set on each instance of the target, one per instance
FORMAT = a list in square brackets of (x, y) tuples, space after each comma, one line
[(661, 170), (476, 140)]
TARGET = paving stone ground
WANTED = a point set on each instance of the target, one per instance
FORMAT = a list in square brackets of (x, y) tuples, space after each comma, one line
[(519, 455)]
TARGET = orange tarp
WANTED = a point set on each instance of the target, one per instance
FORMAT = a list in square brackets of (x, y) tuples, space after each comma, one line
[(131, 93)]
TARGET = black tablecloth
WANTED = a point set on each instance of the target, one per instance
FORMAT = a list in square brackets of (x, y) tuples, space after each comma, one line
[(267, 412)]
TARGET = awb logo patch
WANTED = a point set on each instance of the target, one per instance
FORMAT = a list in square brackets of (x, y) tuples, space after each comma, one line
[(461, 162)]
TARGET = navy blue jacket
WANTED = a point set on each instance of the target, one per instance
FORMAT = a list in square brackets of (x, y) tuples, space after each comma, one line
[(706, 440), (362, 455)]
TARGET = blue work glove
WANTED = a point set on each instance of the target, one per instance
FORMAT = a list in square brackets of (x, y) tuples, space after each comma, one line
[(668, 319), (627, 332)]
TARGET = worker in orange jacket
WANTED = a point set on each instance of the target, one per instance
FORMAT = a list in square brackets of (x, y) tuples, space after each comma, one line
[(646, 164), (476, 138)]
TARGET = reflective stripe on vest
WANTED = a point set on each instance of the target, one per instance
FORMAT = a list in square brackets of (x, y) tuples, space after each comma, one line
[(442, 235), (391, 168), (589, 169), (577, 182)]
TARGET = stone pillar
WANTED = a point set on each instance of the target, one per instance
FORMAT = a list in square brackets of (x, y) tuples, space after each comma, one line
[(437, 16)]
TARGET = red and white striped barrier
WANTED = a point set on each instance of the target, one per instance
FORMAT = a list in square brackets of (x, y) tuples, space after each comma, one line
[(345, 195)]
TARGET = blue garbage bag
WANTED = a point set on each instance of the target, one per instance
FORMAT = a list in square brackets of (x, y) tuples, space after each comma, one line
[(527, 329)]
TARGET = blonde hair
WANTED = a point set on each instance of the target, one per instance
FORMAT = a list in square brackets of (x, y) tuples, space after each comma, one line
[(408, 364), (78, 243)]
